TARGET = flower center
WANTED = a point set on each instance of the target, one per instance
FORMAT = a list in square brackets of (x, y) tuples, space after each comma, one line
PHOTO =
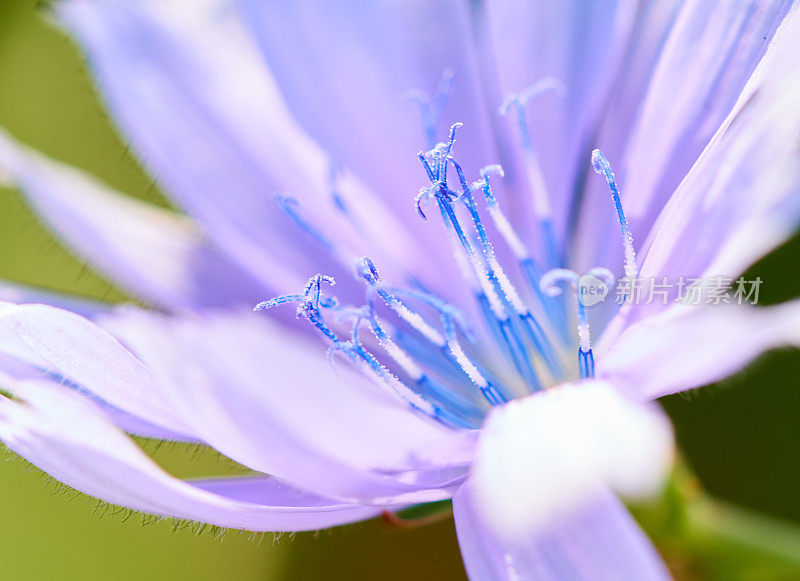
[(525, 343)]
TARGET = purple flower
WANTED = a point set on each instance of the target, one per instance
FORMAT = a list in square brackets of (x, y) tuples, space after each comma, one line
[(459, 368)]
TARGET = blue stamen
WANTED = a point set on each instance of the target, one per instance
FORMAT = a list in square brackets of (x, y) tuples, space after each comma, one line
[(586, 363), (498, 277), (310, 303), (334, 172), (431, 113), (550, 285), (426, 166), (541, 202), (280, 300), (461, 412), (291, 207), (554, 309), (439, 377), (601, 166), (508, 333), (368, 271), (519, 100), (453, 314), (451, 319)]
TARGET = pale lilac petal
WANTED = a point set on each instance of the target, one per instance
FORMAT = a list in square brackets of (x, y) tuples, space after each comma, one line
[(541, 456), (13, 369), (598, 540), (58, 341), (703, 67), (684, 347), (208, 120), (710, 53), (17, 293), (91, 455), (153, 253), (581, 44), (352, 97), (271, 401), (249, 389), (136, 426), (741, 198), (16, 368)]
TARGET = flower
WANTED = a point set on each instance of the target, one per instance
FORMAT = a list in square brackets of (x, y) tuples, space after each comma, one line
[(296, 165)]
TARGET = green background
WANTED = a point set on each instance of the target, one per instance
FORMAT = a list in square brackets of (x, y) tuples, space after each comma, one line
[(740, 437)]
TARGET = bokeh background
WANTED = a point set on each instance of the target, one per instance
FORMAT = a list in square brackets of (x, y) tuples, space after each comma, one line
[(738, 519)]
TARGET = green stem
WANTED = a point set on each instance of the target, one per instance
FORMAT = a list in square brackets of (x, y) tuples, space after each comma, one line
[(748, 529)]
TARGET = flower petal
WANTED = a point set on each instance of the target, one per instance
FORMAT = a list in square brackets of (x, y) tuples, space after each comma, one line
[(740, 199), (58, 341), (156, 254), (16, 293), (580, 44), (384, 49), (597, 540), (241, 385), (271, 401), (542, 456), (709, 54), (91, 455), (703, 68), (191, 92), (685, 348)]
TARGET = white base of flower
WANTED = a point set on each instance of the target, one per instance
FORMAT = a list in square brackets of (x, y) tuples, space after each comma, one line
[(544, 455)]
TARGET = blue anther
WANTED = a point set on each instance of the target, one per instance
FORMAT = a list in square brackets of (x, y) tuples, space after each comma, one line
[(452, 319), (443, 92), (486, 171), (313, 289), (422, 196), (469, 202), (518, 101), (601, 166), (537, 336), (310, 303), (522, 120), (438, 360), (367, 270), (586, 363), (428, 170), (493, 395), (334, 174), (291, 207), (553, 278), (431, 112), (550, 244), (541, 203), (504, 327), (451, 140), (445, 153), (280, 300)]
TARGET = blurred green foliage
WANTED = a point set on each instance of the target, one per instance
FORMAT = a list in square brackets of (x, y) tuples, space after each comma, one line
[(740, 437)]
